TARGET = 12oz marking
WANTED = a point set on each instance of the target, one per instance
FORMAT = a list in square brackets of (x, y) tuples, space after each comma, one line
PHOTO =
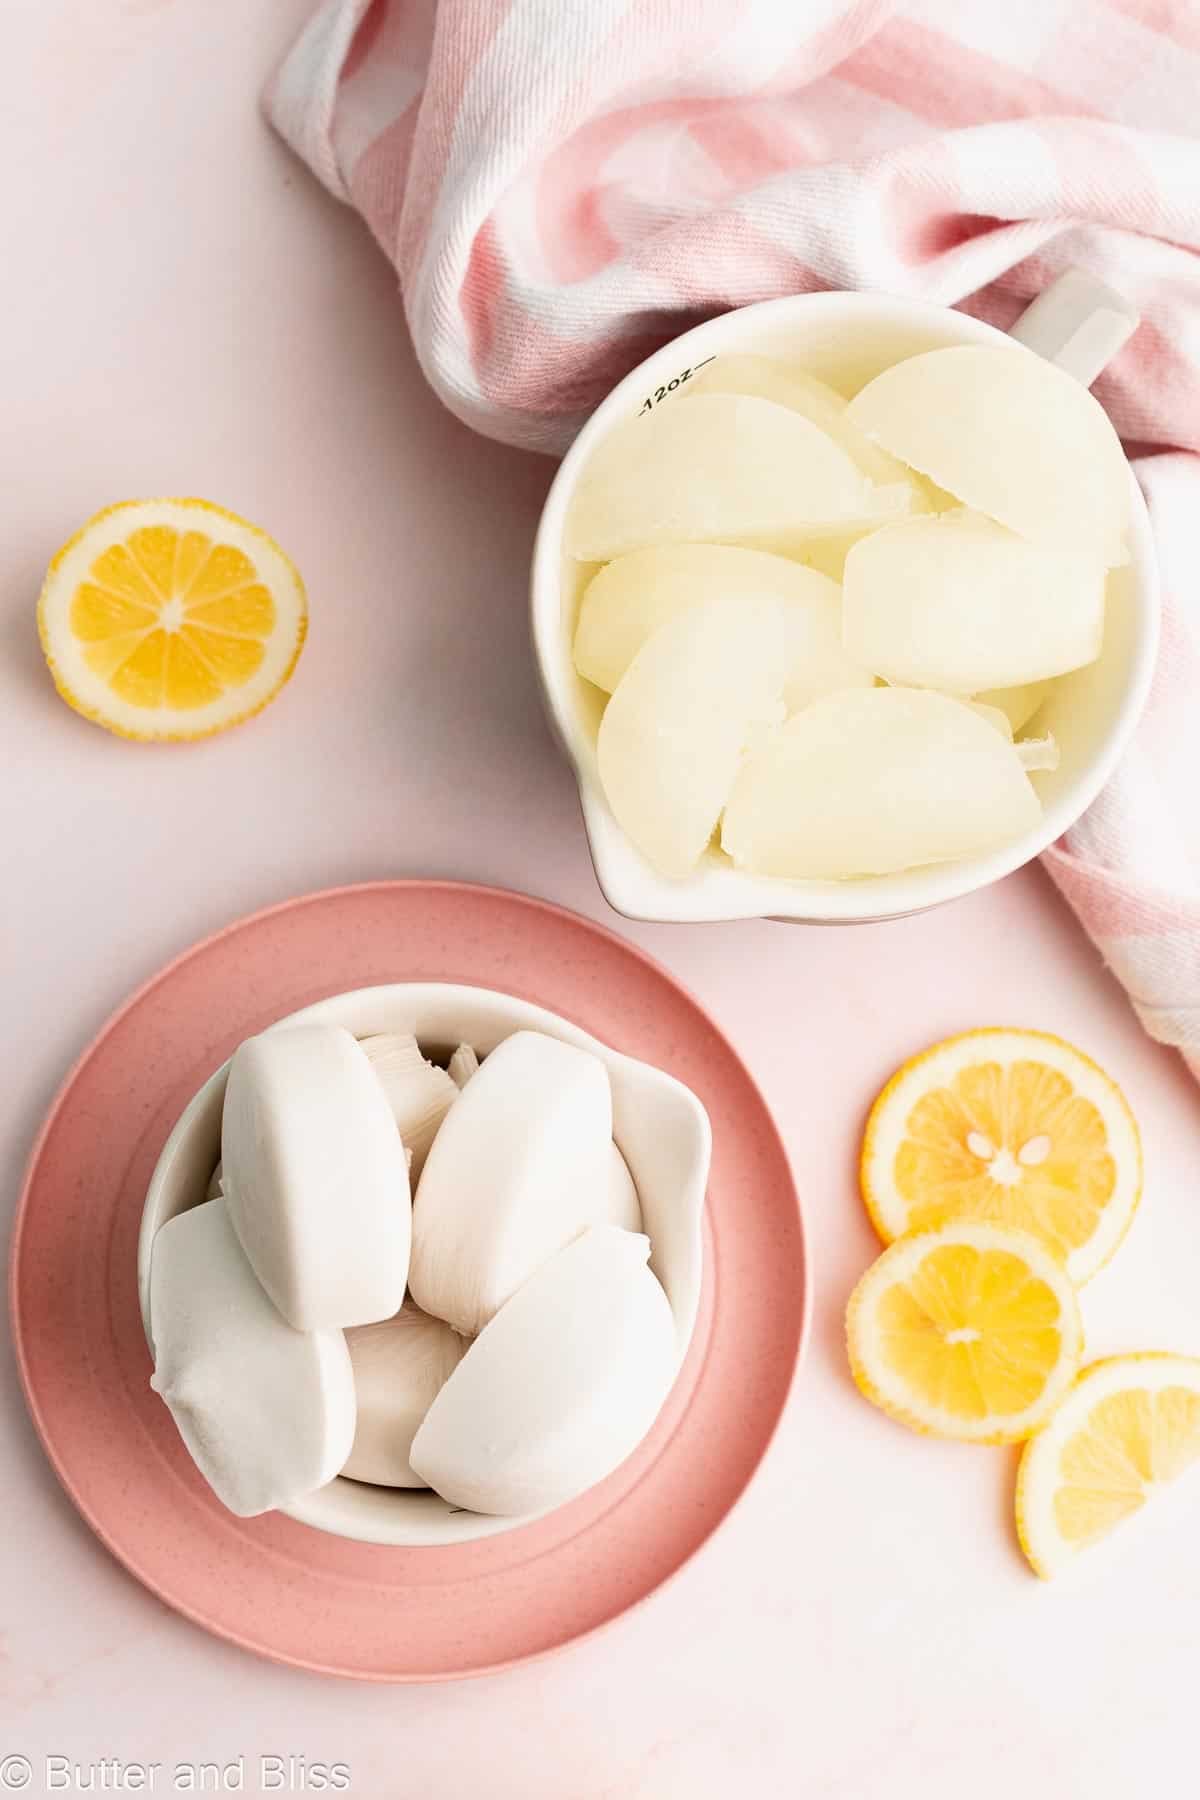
[(669, 387)]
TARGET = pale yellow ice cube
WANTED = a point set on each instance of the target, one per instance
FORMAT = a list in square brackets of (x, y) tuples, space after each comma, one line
[(1019, 704), (1039, 754), (772, 378), (956, 601), (633, 596), (827, 554), (1009, 435), (870, 781), (723, 468), (995, 716), (673, 734)]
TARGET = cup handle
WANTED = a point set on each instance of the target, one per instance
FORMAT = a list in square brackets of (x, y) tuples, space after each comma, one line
[(1078, 324)]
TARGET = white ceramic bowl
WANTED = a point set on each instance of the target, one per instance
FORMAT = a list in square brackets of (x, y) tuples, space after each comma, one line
[(659, 1124), (846, 339)]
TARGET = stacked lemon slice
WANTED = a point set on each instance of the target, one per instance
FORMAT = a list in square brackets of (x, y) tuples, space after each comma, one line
[(968, 1331), (1003, 1168), (1130, 1425)]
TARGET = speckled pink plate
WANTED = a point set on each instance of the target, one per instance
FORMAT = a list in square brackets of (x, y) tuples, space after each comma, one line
[(277, 1587)]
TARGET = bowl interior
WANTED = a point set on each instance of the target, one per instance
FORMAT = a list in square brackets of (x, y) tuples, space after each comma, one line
[(659, 1125), (845, 339)]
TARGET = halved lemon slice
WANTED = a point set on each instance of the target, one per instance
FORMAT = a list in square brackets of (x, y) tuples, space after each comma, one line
[(970, 1331), (170, 619), (1014, 1127), (1128, 1426)]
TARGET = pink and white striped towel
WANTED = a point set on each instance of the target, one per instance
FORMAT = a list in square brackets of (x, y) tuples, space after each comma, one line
[(563, 185)]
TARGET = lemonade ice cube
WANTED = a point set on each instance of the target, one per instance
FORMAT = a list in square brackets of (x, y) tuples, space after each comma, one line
[(723, 468), (869, 781), (995, 716), (1039, 753), (1018, 703), (771, 378), (775, 378), (958, 602), (673, 734), (1009, 435), (827, 554), (630, 598)]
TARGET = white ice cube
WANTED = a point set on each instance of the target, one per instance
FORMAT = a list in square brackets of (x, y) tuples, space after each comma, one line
[(520, 1166), (315, 1178), (399, 1364), (267, 1412), (624, 1206), (559, 1388)]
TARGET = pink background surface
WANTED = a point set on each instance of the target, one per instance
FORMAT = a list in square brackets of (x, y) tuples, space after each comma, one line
[(187, 312)]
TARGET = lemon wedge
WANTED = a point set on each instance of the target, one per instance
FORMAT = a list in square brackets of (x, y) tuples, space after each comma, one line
[(1130, 1425), (969, 1331), (1015, 1128), (170, 619)]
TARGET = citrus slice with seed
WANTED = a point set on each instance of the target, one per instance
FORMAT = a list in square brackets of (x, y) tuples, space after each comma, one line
[(970, 1331), (170, 619), (1129, 1426), (1017, 1128)]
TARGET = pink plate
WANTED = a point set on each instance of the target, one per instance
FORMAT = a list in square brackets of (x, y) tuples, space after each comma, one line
[(280, 1588)]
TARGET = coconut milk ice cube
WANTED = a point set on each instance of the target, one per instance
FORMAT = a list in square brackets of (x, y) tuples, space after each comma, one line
[(400, 1366), (559, 1388), (418, 1092), (622, 1204), (462, 1065), (520, 1166), (267, 1412), (315, 1177)]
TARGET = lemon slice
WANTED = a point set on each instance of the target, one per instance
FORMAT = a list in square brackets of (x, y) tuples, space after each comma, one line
[(970, 1331), (170, 619), (1014, 1127), (1128, 1426)]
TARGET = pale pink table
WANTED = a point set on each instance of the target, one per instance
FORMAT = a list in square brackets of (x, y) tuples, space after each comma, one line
[(186, 312)]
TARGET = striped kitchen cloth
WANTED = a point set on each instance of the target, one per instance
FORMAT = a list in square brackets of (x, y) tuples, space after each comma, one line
[(564, 185)]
